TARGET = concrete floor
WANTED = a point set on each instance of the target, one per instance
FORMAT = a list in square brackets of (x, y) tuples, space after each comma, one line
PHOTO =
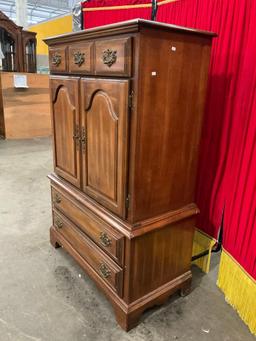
[(45, 296)]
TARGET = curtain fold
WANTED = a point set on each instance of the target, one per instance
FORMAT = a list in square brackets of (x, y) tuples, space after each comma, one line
[(107, 3)]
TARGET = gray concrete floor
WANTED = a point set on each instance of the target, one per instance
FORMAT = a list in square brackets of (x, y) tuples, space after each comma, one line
[(45, 296)]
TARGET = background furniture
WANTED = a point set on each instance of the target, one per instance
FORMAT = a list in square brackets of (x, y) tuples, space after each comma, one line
[(18, 46), (24, 113), (127, 105)]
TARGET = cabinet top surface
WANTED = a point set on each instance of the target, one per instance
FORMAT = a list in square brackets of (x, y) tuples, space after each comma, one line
[(129, 26)]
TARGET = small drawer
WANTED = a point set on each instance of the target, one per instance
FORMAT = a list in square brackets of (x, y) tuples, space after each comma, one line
[(113, 57), (91, 253), (110, 240), (81, 58), (58, 59)]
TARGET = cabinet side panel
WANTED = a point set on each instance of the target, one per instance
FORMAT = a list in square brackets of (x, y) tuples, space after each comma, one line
[(2, 126), (159, 257), (171, 97)]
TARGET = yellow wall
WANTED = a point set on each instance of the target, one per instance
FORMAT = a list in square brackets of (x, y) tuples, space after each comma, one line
[(51, 28)]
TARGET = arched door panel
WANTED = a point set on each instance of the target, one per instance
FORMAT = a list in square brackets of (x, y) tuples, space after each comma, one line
[(104, 147), (65, 119)]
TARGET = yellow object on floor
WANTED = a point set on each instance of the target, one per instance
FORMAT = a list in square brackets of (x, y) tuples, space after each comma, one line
[(239, 289), (202, 242)]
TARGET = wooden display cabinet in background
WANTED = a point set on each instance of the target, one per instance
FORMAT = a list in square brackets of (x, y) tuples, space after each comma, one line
[(18, 47)]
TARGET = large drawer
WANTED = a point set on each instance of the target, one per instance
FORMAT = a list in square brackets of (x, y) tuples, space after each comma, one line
[(102, 264), (110, 240)]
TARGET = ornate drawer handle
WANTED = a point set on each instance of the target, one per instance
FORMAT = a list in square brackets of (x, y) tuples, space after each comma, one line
[(104, 270), (109, 57), (58, 223), (79, 58), (57, 199), (56, 59), (105, 239)]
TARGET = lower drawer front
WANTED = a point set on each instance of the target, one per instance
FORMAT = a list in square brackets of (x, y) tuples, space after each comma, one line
[(102, 264), (106, 237)]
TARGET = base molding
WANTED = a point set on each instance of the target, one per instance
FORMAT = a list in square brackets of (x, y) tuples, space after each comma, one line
[(127, 315)]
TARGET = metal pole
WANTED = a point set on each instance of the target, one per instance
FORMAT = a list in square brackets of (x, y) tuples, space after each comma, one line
[(21, 13), (154, 10)]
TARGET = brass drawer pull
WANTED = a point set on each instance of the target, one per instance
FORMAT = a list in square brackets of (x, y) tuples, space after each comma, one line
[(105, 239), (58, 223), (56, 59), (79, 58), (104, 271), (57, 199), (109, 57)]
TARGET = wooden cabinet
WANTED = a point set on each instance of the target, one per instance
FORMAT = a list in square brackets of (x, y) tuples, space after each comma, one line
[(127, 109), (18, 47)]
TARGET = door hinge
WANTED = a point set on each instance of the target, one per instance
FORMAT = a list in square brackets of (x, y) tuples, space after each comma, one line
[(130, 100), (127, 201)]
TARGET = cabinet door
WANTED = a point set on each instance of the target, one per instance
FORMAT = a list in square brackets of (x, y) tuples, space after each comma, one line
[(65, 119), (104, 141)]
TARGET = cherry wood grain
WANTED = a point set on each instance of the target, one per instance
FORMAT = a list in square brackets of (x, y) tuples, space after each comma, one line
[(129, 230), (127, 314), (55, 54), (159, 257), (118, 53), (104, 114), (103, 265), (130, 174), (65, 120), (169, 114), (81, 58), (107, 238)]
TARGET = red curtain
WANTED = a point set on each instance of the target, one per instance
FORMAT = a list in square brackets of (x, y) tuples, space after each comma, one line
[(103, 17), (227, 170), (227, 167)]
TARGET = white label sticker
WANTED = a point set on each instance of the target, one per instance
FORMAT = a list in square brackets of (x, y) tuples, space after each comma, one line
[(20, 81), (153, 73)]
